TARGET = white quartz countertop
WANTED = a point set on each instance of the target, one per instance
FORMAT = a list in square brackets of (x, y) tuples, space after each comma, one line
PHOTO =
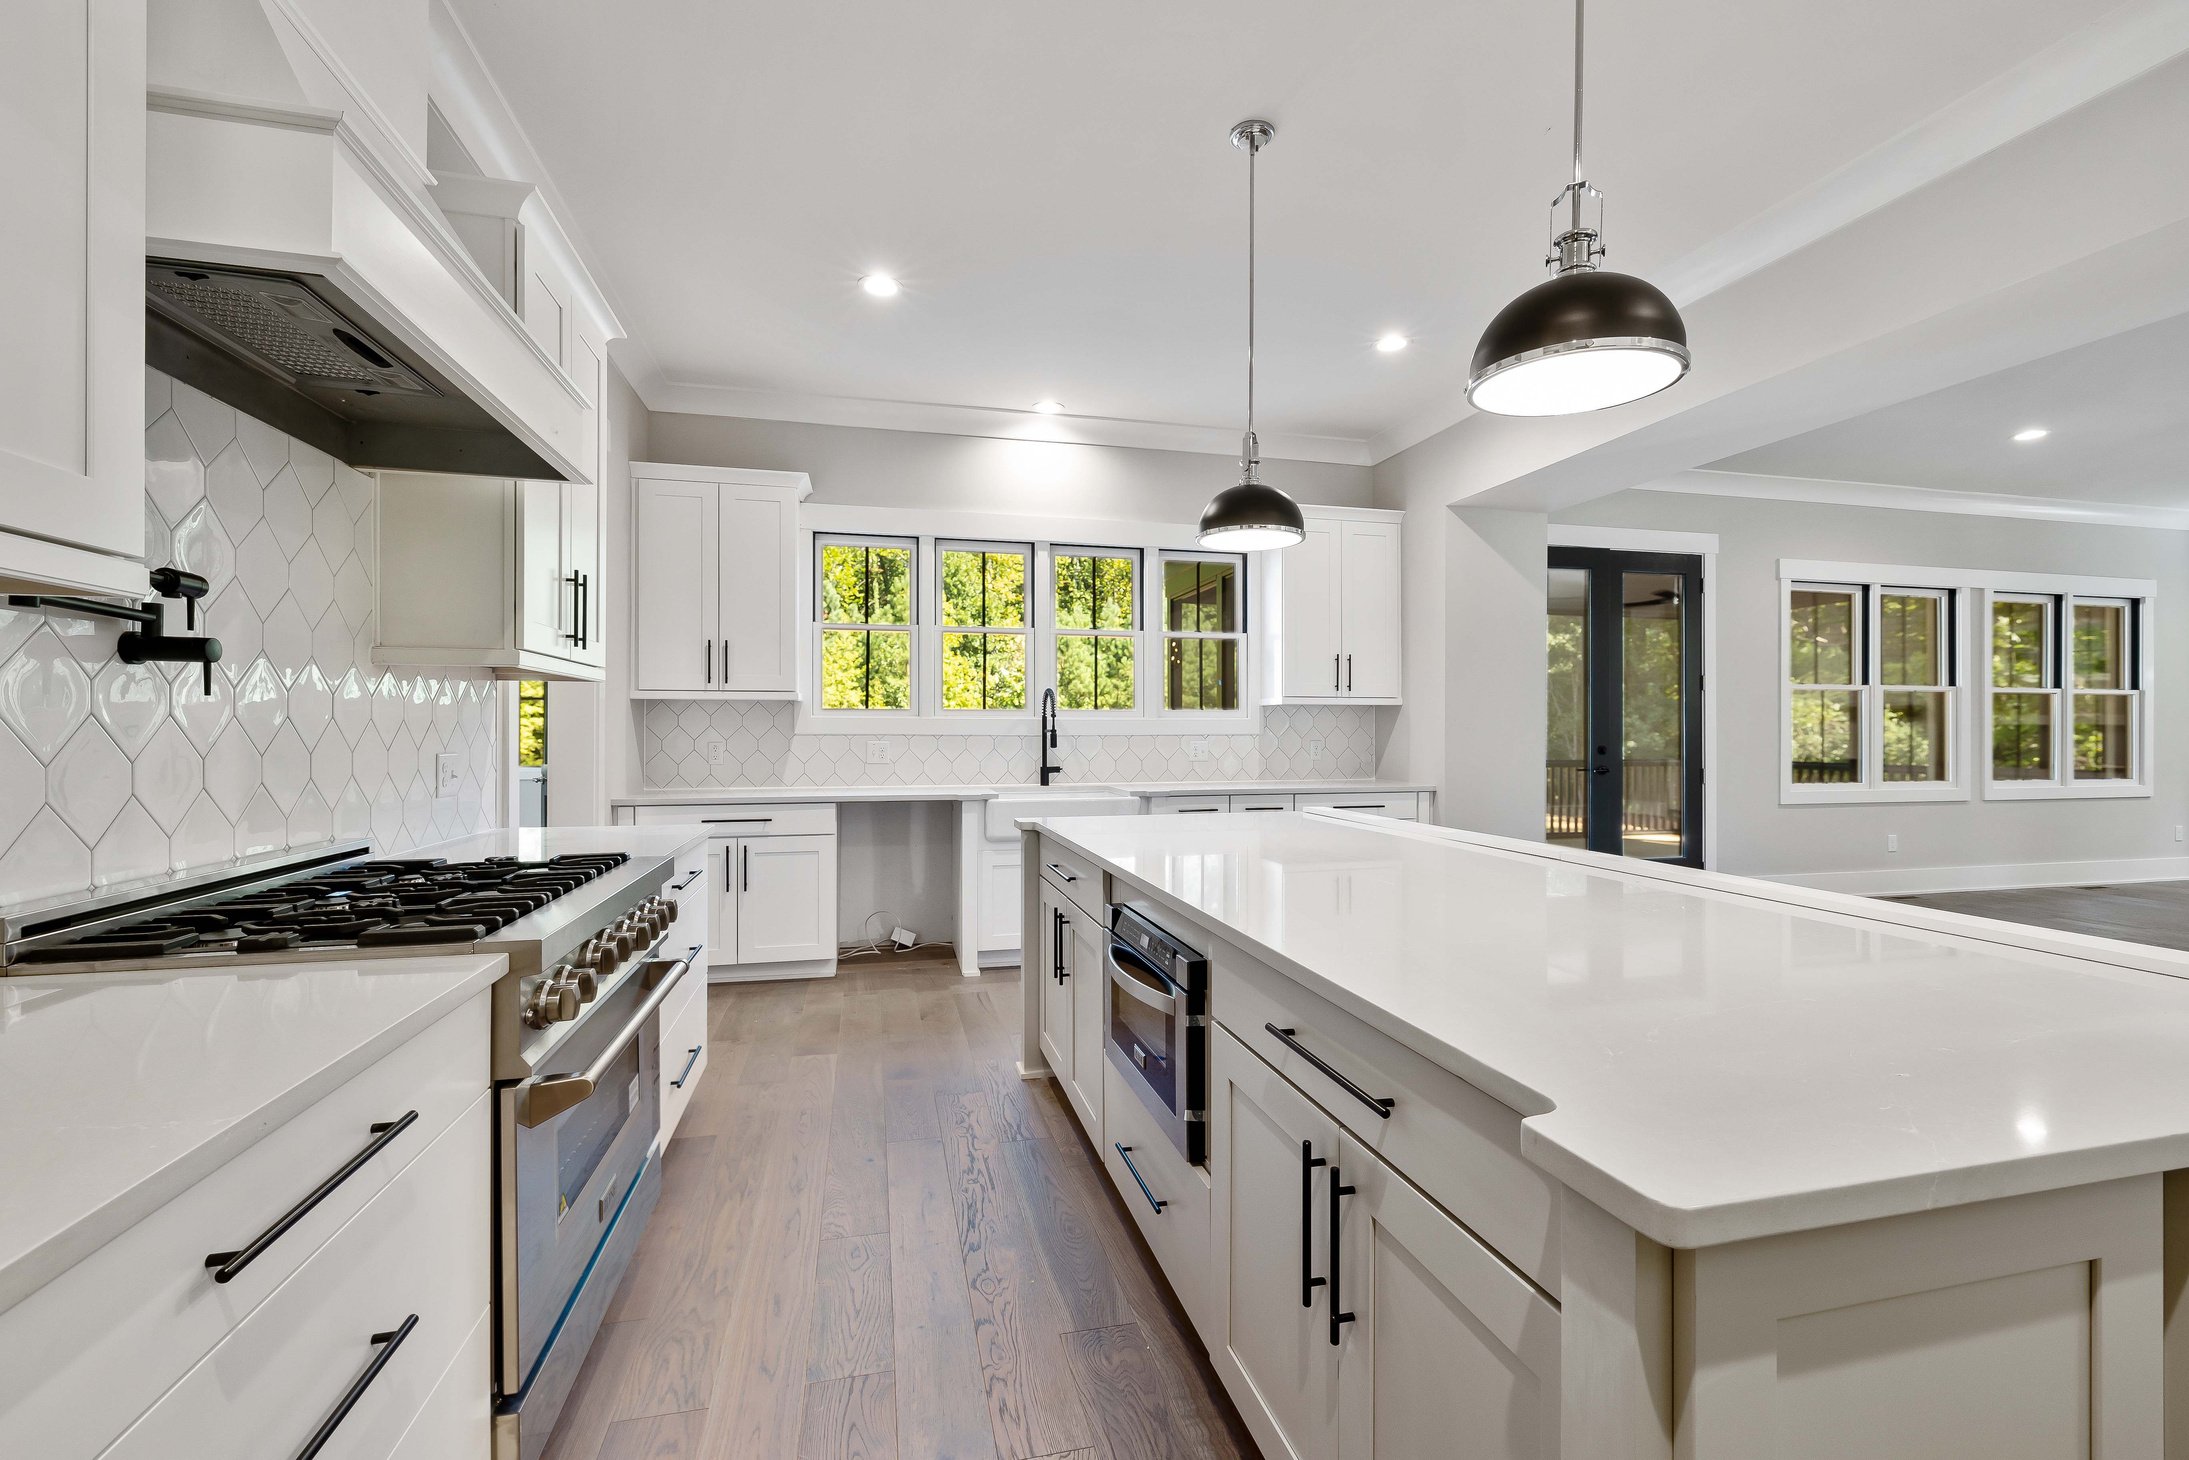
[(122, 1090), (1706, 1057), (757, 795), (536, 842)]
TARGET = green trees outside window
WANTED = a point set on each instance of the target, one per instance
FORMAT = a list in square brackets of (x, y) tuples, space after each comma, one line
[(1095, 669), (1202, 634), (531, 722), (866, 665), (984, 629)]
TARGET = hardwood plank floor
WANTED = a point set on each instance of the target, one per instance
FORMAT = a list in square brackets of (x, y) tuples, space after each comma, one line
[(875, 1241), (2137, 912)]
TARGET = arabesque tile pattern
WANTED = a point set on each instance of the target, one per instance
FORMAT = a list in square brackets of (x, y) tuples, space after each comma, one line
[(112, 771)]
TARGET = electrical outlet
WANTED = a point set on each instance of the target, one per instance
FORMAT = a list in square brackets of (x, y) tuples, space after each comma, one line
[(1314, 747), (1892, 841), (1197, 749), (880, 752), (447, 775), (717, 750), (2181, 833)]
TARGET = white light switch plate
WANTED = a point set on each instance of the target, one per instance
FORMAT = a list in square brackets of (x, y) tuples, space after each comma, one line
[(716, 749), (880, 752), (446, 774)]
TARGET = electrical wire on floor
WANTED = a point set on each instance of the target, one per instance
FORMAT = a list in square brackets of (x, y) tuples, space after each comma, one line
[(873, 947)]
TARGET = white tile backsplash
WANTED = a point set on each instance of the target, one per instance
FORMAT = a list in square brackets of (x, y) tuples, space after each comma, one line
[(761, 747), (110, 771)]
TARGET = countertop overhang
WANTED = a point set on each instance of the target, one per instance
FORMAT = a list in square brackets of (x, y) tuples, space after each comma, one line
[(760, 795), (1706, 1057)]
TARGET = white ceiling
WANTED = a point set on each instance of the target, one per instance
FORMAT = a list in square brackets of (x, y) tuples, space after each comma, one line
[(2117, 410), (1052, 184)]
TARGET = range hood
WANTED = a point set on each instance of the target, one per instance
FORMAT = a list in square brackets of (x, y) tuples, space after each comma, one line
[(293, 277)]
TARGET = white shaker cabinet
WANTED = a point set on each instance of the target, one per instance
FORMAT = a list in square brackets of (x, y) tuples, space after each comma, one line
[(714, 609), (1331, 603), (490, 573), (72, 392)]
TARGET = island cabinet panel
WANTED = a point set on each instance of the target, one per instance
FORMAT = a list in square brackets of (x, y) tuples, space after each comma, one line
[(1054, 967), (1089, 985), (2027, 1328), (1168, 1198), (1451, 1139), (1444, 1340), (1268, 1333)]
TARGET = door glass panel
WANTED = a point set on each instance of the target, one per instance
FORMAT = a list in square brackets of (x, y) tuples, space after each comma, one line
[(1652, 685), (1565, 762)]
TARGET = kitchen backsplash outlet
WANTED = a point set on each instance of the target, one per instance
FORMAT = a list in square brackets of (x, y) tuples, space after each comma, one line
[(761, 747), (111, 771)]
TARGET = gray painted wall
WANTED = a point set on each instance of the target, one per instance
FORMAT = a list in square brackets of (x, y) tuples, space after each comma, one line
[(1758, 835), (861, 466)]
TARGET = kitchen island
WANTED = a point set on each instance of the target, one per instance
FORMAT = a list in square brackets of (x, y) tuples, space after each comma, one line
[(1601, 1159)]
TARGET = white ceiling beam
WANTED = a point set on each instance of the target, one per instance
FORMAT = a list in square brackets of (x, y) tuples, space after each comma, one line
[(1704, 482)]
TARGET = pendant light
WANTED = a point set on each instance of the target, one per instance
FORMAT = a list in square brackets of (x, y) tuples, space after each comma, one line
[(1252, 515), (1587, 338)]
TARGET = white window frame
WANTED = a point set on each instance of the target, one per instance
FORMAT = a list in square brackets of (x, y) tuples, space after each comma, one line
[(935, 548), (814, 628), (1161, 633), (2059, 655), (930, 530), (1870, 585), (1136, 636), (1969, 729)]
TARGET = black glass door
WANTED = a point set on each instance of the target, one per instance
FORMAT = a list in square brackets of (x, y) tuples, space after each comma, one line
[(1623, 771)]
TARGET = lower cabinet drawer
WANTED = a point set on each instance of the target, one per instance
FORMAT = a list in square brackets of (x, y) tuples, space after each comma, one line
[(84, 1355), (683, 1049), (1173, 805), (1447, 1137), (1074, 876), (1262, 801), (1168, 1198), (756, 818), (418, 1251), (690, 890)]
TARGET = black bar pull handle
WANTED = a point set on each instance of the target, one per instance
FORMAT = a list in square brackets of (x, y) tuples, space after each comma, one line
[(689, 878), (1335, 661), (226, 1265), (1381, 1104), (692, 1059), (387, 1343), (1348, 674), (706, 660), (1308, 1281), (1124, 1153), (1338, 1316)]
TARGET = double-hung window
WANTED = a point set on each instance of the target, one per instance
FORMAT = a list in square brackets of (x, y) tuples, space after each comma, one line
[(1204, 632), (863, 588), (1097, 629), (2066, 703), (984, 602), (1870, 692)]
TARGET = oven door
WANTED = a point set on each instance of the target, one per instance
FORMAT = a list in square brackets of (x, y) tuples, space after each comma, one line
[(576, 1183), (1158, 1045)]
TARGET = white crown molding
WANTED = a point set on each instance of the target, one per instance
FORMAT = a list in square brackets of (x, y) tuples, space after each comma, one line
[(2133, 40), (1706, 482), (946, 420)]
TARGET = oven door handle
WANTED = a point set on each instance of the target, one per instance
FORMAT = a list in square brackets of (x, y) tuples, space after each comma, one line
[(1162, 994), (548, 1096)]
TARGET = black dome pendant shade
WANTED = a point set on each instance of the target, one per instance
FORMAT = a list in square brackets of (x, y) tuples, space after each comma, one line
[(1252, 515), (1587, 338)]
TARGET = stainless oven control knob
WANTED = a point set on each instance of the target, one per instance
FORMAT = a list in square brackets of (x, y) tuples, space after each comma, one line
[(582, 980), (549, 1002), (669, 907)]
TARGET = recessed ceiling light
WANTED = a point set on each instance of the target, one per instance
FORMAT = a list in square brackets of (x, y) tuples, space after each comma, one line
[(1049, 407), (881, 286), (1392, 343), (2032, 433)]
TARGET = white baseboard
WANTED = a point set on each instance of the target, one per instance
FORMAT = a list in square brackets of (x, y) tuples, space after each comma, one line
[(1899, 881), (771, 972)]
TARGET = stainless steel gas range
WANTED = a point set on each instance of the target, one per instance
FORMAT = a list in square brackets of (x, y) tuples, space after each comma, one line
[(576, 1043)]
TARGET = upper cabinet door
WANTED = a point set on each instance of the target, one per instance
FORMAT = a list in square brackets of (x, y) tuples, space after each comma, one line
[(72, 250), (1313, 664), (544, 597), (1369, 569), (675, 588), (759, 541)]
